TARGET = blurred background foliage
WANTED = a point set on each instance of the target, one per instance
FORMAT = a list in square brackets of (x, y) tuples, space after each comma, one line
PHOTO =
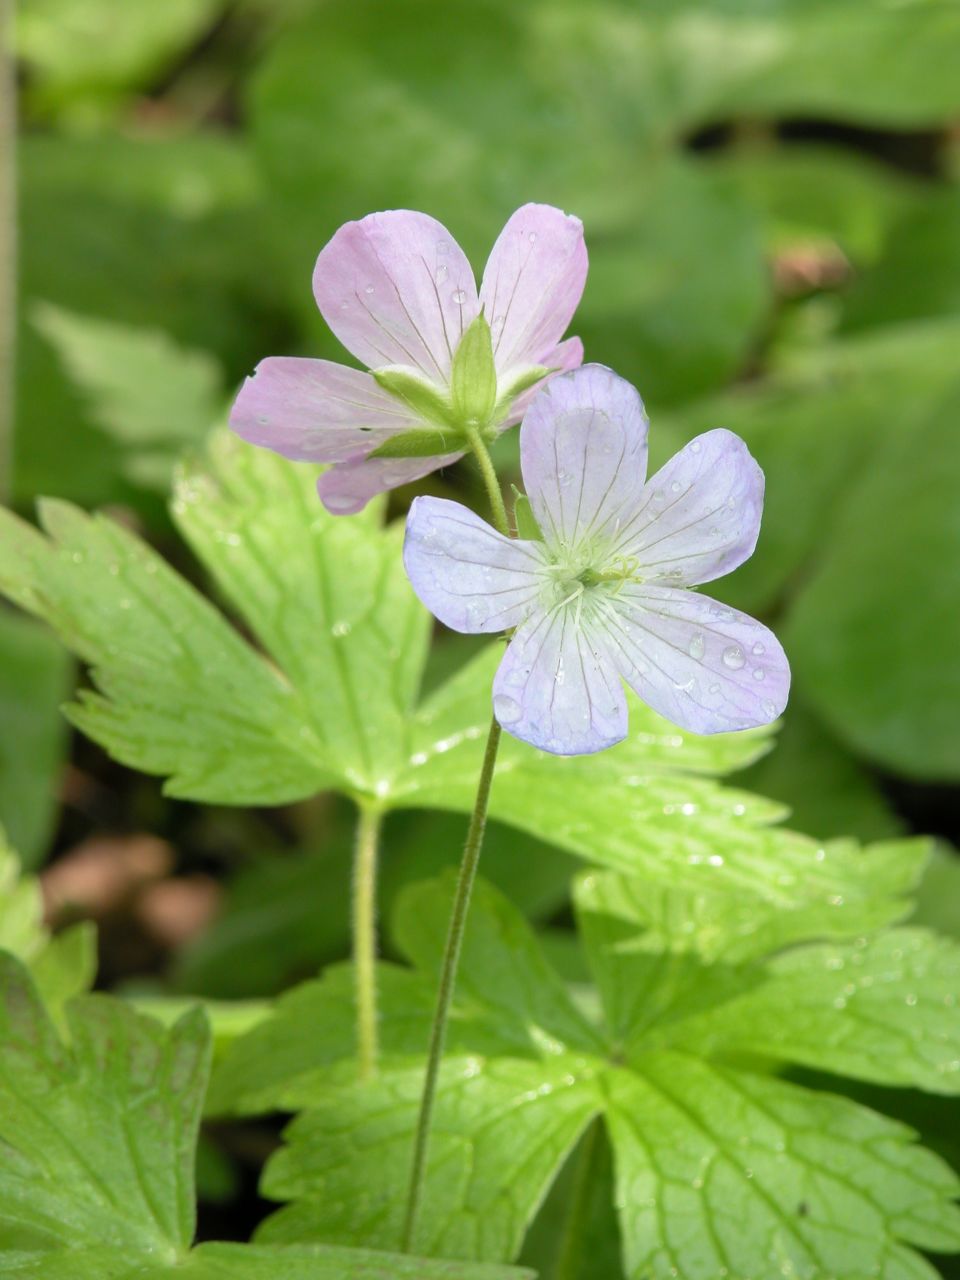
[(771, 194)]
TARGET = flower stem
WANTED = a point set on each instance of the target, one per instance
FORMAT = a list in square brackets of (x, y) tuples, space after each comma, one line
[(489, 474), (8, 245), (448, 975), (369, 821), (569, 1257)]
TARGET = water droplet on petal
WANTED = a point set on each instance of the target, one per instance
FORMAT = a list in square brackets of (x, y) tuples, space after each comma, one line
[(714, 688), (532, 237), (768, 708), (695, 447), (697, 646), (757, 650), (733, 657), (368, 289), (340, 629), (441, 274), (459, 296), (676, 487), (758, 673), (507, 710)]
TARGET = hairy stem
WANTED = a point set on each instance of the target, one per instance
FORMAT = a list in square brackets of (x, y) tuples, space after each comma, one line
[(448, 975), (568, 1263), (369, 821), (491, 483), (8, 244)]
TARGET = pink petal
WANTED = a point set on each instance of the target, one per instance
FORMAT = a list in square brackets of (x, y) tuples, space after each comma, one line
[(583, 451), (396, 288), (469, 576), (565, 355), (699, 516), (347, 488), (557, 687), (703, 666), (316, 411), (532, 284)]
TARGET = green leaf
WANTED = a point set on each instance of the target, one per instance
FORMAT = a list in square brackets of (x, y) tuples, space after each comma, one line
[(503, 967), (827, 790), (890, 690), (715, 1167), (672, 824), (251, 1262), (881, 1009), (916, 278), (816, 426), (162, 215), (178, 692), (473, 375), (85, 56), (99, 1135), (722, 1172), (266, 1066), (514, 1119), (817, 196), (151, 395), (61, 966), (327, 598), (99, 1140), (34, 680)]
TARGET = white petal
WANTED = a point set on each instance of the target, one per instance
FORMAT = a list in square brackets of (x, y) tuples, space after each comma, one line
[(707, 668), (583, 450), (699, 516), (469, 576), (557, 687)]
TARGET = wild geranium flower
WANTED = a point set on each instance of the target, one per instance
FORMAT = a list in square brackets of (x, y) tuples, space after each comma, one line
[(604, 595), (445, 360)]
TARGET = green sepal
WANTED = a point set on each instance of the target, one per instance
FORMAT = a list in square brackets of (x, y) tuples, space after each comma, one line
[(473, 378), (419, 443), (524, 521), (426, 400), (523, 380)]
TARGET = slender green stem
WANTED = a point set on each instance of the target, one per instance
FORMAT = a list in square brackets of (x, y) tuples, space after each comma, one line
[(492, 484), (369, 821), (568, 1264), (448, 976), (8, 244)]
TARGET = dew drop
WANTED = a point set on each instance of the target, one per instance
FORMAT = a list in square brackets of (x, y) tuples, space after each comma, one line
[(340, 629), (676, 487), (441, 274), (368, 289), (758, 673), (911, 1000), (532, 237), (714, 688), (695, 447), (459, 297), (769, 709), (733, 657), (658, 495), (757, 650), (697, 646), (507, 710)]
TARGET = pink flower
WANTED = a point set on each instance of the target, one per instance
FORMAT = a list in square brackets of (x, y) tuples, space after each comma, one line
[(399, 293)]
